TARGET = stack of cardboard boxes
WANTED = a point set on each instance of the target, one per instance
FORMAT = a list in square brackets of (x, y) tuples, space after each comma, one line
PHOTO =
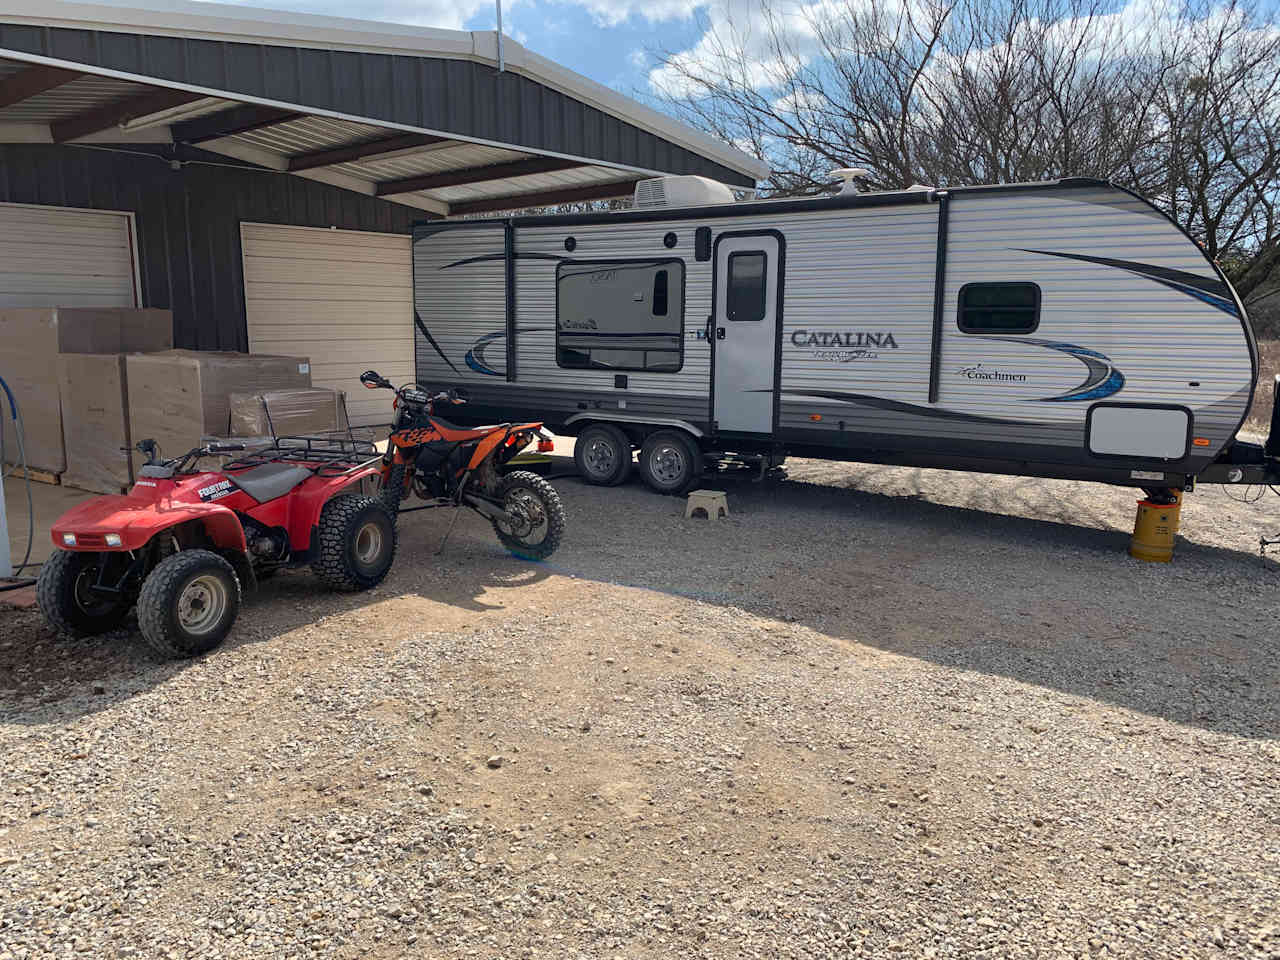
[(91, 382)]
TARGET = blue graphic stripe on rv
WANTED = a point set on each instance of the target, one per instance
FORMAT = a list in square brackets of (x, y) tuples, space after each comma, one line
[(1213, 292), (1101, 380), (475, 357)]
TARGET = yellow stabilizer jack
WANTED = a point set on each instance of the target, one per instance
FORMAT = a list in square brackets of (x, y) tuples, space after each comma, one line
[(1155, 529)]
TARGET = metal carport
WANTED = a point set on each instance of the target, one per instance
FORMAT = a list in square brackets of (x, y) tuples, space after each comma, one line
[(199, 118)]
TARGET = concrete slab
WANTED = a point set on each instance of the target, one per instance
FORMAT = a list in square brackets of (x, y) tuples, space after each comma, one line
[(50, 502)]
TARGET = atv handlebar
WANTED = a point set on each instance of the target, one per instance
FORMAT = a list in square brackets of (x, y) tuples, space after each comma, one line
[(151, 450)]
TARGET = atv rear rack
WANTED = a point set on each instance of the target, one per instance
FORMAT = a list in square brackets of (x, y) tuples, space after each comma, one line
[(330, 456)]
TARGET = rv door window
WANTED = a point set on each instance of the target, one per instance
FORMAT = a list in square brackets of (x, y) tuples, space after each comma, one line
[(620, 315), (999, 307), (746, 287)]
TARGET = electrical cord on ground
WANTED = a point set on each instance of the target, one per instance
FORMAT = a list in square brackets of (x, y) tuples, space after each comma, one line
[(15, 412), (1245, 497)]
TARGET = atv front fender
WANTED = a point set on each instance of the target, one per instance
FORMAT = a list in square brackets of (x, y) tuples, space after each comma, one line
[(137, 521)]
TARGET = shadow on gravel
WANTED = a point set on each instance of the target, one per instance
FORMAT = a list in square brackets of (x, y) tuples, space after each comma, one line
[(1050, 601), (44, 677), (1045, 601)]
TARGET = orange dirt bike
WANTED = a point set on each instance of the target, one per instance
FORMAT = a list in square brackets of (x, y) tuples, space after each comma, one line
[(451, 466)]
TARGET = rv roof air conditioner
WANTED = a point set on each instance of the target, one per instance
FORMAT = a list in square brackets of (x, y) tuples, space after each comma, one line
[(847, 175), (681, 192)]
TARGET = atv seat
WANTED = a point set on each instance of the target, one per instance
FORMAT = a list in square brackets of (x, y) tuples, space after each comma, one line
[(270, 480)]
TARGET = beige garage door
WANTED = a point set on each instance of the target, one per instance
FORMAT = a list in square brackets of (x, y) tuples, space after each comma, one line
[(56, 257), (341, 297)]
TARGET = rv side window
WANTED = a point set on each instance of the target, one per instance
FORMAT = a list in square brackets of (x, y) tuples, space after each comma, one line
[(999, 307), (620, 315), (745, 290)]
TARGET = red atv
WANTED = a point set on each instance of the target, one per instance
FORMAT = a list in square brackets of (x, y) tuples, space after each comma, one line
[(183, 541)]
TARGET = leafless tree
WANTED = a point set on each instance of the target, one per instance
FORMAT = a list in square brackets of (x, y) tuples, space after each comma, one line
[(1180, 102)]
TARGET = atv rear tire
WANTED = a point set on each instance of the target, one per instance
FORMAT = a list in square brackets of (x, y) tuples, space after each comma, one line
[(188, 604), (357, 542), (538, 505), (64, 598)]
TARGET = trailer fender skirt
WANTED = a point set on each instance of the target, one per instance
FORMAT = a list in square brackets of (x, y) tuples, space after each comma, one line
[(636, 418)]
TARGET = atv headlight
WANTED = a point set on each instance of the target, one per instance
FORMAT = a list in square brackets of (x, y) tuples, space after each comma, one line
[(113, 540), (68, 539)]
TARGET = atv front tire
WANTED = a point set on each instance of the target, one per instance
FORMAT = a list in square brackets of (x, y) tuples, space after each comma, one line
[(357, 542), (188, 603), (539, 514), (64, 596)]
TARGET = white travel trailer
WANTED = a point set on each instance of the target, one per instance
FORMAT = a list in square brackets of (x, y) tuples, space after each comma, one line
[(1061, 329)]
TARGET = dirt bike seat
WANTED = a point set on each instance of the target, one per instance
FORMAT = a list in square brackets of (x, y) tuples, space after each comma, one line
[(270, 480), (453, 433)]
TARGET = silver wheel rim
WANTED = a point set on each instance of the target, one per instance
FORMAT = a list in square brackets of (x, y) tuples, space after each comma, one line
[(202, 604), (368, 543), (600, 457), (525, 508), (667, 463)]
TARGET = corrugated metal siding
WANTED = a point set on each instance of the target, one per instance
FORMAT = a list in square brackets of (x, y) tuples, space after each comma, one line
[(456, 96), (188, 221)]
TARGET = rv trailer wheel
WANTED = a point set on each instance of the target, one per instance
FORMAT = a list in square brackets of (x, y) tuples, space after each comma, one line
[(670, 462), (602, 454)]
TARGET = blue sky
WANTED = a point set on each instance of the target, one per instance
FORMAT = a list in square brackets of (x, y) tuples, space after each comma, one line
[(606, 40)]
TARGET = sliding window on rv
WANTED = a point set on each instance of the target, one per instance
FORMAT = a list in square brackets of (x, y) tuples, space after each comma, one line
[(620, 315)]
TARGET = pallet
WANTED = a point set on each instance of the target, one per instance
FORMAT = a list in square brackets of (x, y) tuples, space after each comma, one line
[(39, 476)]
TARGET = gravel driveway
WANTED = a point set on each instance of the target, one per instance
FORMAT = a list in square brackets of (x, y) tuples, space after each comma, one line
[(876, 712)]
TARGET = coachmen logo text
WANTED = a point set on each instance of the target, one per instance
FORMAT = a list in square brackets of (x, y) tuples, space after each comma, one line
[(843, 346), (979, 372)]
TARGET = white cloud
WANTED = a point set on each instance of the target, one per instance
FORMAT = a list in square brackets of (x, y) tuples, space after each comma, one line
[(742, 39), (612, 13)]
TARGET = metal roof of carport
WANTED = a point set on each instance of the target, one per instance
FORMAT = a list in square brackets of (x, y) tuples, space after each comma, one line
[(418, 116)]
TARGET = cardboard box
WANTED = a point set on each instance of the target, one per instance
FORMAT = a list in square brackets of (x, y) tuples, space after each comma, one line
[(288, 413), (31, 339), (95, 421), (179, 396)]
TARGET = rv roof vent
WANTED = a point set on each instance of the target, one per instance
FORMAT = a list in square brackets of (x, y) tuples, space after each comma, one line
[(681, 192), (847, 175), (920, 188)]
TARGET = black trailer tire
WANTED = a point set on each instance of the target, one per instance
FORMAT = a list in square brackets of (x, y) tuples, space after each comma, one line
[(357, 545), (532, 495), (670, 462), (602, 454), (188, 604), (64, 601)]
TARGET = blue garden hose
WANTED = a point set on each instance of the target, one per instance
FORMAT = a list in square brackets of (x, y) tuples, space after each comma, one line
[(22, 453)]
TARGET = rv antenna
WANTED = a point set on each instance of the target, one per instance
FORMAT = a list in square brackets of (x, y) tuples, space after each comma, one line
[(502, 65), (847, 175)]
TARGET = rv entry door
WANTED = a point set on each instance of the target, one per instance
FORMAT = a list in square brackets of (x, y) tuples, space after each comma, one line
[(748, 285)]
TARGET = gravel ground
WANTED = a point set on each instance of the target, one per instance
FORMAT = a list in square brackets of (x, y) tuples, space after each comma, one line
[(875, 712)]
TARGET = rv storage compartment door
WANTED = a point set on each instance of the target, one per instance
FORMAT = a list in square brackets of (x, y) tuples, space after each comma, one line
[(1122, 430), (748, 281)]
